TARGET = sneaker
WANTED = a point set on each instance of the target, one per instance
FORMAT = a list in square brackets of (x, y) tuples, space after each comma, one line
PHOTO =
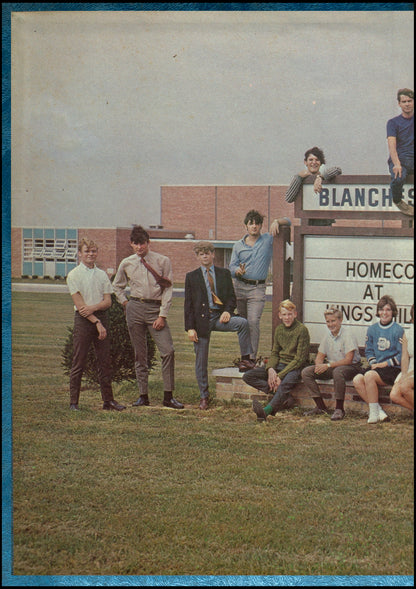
[(405, 208), (259, 411), (73, 407), (337, 415), (316, 411), (382, 416)]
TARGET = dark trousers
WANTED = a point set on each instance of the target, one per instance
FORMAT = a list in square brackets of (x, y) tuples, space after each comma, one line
[(258, 378), (340, 374), (84, 334), (396, 184)]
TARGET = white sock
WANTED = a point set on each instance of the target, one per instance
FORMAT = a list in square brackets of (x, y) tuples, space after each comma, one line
[(382, 415), (373, 415)]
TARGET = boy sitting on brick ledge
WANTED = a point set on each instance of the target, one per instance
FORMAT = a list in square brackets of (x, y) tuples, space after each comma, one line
[(339, 358), (289, 355)]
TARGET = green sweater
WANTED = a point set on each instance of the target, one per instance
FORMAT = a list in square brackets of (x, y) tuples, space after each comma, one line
[(290, 347)]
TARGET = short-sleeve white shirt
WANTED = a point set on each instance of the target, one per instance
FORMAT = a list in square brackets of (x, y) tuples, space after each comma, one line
[(91, 283), (336, 348)]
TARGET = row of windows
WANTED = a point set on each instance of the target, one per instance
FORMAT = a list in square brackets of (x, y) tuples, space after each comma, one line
[(49, 249), (49, 252)]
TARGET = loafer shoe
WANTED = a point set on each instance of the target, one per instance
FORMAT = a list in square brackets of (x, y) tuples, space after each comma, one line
[(141, 401), (259, 411), (113, 406), (337, 415), (173, 404), (316, 411), (73, 407), (288, 403), (405, 208), (246, 365), (204, 403)]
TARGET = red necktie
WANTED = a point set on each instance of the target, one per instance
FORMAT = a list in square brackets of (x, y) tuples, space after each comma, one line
[(161, 280)]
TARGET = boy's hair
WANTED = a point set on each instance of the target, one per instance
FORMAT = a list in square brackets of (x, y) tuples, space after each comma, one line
[(387, 300), (203, 246), (333, 311), (317, 153), (254, 216), (139, 235), (405, 92), (288, 305), (89, 243)]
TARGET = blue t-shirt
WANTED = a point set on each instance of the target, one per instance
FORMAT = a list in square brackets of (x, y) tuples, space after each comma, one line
[(404, 131)]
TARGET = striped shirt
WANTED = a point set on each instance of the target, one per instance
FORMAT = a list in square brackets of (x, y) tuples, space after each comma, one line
[(297, 181)]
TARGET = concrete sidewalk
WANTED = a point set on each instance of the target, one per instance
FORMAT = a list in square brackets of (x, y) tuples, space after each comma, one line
[(27, 287)]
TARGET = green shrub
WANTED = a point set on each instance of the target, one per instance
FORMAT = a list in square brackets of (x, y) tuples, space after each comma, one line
[(122, 353)]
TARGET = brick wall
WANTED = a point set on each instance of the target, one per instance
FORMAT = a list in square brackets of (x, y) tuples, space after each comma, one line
[(208, 212), (190, 209), (217, 212), (181, 255)]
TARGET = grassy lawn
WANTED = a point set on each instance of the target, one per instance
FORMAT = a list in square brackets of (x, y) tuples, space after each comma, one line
[(154, 491)]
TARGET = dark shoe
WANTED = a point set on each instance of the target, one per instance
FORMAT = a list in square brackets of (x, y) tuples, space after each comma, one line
[(142, 400), (173, 404), (316, 411), (259, 411), (246, 365), (337, 415), (113, 406), (204, 403), (288, 403), (73, 407)]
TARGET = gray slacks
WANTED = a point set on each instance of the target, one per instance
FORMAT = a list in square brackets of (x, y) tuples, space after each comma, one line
[(140, 317)]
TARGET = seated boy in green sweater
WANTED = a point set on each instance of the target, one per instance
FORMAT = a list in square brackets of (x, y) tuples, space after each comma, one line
[(290, 353)]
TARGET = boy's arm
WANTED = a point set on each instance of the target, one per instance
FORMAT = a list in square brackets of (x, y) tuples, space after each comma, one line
[(294, 187), (234, 262), (275, 355), (87, 310), (79, 303), (302, 354), (119, 285)]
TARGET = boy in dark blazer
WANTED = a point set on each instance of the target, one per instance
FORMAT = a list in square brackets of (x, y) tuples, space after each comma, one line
[(209, 305)]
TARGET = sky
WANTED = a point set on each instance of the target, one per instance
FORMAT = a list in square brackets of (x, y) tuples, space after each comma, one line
[(109, 106)]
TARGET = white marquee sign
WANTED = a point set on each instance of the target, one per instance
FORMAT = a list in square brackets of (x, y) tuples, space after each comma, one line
[(353, 197), (353, 273)]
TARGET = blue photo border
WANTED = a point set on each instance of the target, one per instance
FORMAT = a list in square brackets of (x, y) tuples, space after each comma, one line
[(8, 579)]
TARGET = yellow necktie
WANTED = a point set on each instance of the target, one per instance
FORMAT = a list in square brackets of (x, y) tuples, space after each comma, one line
[(215, 299)]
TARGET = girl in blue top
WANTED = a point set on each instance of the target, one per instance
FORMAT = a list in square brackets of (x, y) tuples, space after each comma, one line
[(383, 351)]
